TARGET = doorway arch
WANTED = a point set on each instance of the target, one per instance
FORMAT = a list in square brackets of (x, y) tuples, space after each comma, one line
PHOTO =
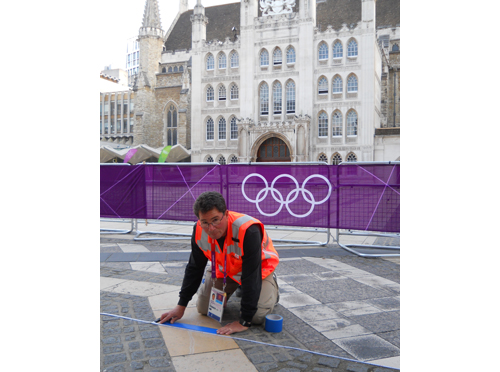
[(273, 149)]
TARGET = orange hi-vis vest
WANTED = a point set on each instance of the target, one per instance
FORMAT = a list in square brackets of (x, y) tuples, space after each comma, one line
[(237, 225)]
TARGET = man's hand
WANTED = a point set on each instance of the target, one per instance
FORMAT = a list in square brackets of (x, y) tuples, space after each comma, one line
[(231, 328), (173, 315)]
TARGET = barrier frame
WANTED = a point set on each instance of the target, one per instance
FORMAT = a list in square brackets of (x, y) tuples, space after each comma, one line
[(117, 231), (352, 232)]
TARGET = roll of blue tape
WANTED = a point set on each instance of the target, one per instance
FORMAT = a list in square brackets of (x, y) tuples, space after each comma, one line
[(274, 323)]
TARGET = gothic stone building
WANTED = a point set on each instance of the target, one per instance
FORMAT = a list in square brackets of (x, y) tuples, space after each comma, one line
[(292, 80)]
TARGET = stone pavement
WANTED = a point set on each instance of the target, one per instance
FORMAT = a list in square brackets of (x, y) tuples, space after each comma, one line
[(332, 302)]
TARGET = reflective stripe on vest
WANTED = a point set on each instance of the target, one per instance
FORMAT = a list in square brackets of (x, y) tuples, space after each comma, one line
[(237, 225)]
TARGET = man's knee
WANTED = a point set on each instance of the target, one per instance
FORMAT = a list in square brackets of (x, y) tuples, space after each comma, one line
[(260, 316), (202, 304)]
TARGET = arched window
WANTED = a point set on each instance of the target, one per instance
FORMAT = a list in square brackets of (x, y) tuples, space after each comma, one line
[(337, 124), (264, 58), (233, 159), (209, 159), (264, 99), (290, 55), (277, 98), (210, 62), (222, 160), (336, 159), (322, 125), (210, 93), (210, 130), (323, 51), (176, 69), (222, 129), (181, 68), (337, 84), (234, 128), (235, 60), (323, 157), (222, 61), (395, 48), (352, 48), (337, 50), (290, 97), (351, 157), (170, 69), (234, 92), (172, 126), (323, 86), (164, 69), (352, 123), (352, 84), (277, 57), (222, 93)]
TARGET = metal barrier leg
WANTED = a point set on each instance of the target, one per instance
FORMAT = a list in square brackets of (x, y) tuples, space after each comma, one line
[(348, 247), (176, 236), (117, 231), (297, 243)]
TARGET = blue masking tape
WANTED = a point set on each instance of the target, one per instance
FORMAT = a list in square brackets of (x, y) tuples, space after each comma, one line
[(274, 323), (191, 327)]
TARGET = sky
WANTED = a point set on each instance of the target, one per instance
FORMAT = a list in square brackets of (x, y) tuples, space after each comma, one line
[(120, 20)]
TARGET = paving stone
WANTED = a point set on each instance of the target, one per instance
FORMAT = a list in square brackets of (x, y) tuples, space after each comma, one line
[(115, 358), (112, 349), (260, 358), (266, 367), (297, 365), (393, 337), (134, 345), (111, 340), (339, 290), (300, 266), (386, 303), (357, 368), (137, 365), (118, 368), (378, 322), (329, 362), (368, 347), (160, 362)]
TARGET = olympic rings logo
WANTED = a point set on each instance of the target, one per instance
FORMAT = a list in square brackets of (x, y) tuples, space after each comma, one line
[(290, 198)]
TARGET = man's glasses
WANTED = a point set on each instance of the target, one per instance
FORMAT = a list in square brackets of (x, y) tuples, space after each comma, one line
[(214, 223)]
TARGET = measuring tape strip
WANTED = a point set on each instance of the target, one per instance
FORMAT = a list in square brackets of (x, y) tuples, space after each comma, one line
[(213, 331)]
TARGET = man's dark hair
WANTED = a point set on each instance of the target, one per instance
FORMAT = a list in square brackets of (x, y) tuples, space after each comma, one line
[(208, 201)]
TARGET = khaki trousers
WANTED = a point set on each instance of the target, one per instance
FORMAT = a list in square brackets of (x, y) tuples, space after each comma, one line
[(267, 300)]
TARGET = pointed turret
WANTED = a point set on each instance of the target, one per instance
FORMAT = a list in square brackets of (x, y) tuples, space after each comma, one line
[(151, 23)]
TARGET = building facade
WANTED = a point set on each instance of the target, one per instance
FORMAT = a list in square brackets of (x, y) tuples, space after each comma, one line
[(117, 118), (294, 80), (132, 59)]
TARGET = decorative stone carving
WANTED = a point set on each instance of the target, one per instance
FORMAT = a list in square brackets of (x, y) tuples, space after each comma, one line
[(272, 7)]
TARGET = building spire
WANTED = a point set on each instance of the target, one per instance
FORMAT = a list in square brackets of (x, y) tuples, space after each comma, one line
[(151, 17)]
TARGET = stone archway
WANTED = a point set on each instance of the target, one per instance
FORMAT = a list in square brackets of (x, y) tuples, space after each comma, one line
[(273, 149)]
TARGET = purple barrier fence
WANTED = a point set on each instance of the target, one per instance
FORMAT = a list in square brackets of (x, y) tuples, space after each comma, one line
[(123, 191), (348, 196)]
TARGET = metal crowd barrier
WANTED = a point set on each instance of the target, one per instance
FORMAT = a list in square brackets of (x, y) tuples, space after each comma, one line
[(289, 242)]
